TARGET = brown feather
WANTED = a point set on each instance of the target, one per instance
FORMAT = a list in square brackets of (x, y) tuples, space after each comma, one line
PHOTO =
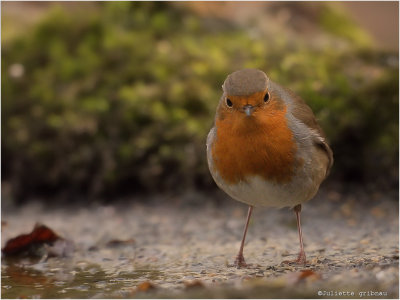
[(260, 145), (301, 111), (245, 82)]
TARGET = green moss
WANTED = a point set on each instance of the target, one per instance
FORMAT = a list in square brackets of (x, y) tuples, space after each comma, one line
[(121, 97)]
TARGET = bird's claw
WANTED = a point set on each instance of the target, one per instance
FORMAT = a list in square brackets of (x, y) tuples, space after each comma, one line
[(301, 260), (240, 262)]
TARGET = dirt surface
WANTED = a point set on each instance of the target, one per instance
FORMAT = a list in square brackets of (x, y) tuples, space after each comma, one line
[(182, 247)]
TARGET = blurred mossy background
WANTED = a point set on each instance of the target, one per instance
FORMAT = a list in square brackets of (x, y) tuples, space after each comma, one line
[(106, 99)]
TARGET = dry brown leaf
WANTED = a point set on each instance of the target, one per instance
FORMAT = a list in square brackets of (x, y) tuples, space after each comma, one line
[(304, 275), (145, 286), (193, 284), (308, 274), (41, 234)]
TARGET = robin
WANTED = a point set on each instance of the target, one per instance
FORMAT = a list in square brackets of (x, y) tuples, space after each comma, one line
[(266, 148)]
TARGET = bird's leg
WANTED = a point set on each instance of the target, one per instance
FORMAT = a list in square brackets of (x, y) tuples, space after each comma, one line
[(301, 258), (240, 262)]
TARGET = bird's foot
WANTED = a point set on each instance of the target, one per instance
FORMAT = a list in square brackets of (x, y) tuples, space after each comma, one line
[(240, 262), (301, 260)]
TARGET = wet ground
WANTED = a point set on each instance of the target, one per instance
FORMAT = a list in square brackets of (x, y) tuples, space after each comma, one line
[(183, 247)]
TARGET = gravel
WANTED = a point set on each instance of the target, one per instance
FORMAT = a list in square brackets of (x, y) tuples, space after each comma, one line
[(184, 246)]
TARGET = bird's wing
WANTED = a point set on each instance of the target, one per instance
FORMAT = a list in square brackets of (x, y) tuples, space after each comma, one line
[(301, 111)]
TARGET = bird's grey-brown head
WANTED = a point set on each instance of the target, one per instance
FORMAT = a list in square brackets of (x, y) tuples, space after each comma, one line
[(245, 82)]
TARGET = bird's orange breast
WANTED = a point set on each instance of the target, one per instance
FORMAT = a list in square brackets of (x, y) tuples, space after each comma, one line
[(262, 145)]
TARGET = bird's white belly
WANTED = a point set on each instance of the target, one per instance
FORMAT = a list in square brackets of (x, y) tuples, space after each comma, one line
[(257, 191)]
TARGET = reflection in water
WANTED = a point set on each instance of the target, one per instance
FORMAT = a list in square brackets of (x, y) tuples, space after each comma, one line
[(23, 280)]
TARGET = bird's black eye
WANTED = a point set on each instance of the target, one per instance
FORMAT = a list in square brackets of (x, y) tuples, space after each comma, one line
[(229, 102), (266, 97)]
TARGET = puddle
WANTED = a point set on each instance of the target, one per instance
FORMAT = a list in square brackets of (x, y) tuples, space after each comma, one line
[(22, 280)]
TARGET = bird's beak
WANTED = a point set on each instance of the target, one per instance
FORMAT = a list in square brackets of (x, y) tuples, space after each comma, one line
[(248, 109)]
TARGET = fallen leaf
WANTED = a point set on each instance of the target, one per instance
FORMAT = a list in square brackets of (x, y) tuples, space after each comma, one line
[(193, 284), (308, 273), (303, 275), (145, 286), (40, 235)]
